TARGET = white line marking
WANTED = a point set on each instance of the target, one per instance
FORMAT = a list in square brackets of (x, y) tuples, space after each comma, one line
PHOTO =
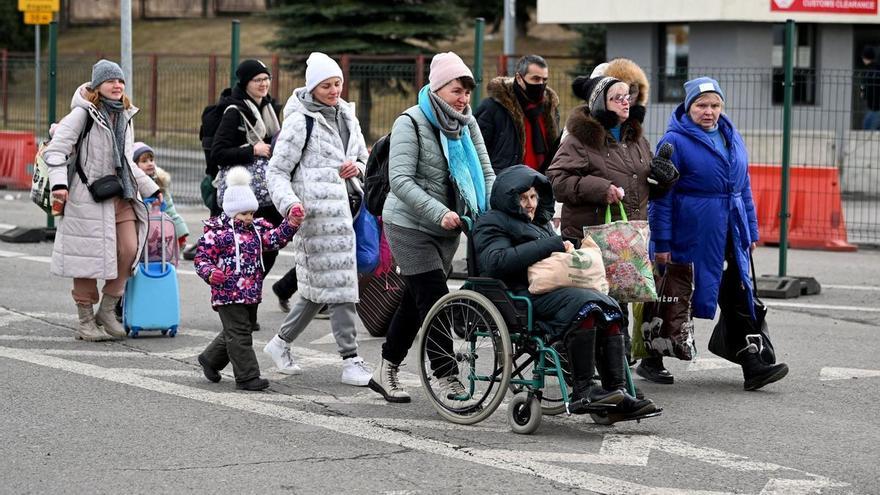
[(6, 226), (34, 338), (774, 304), (329, 339), (160, 372), (89, 353), (851, 287), (828, 374), (706, 364)]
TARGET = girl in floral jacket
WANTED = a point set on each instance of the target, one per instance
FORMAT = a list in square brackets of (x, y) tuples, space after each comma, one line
[(230, 258)]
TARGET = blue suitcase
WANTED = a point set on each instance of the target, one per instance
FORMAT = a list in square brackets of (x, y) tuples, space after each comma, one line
[(152, 295)]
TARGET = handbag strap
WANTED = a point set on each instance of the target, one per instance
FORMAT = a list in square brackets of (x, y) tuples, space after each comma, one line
[(85, 130), (754, 277), (622, 213)]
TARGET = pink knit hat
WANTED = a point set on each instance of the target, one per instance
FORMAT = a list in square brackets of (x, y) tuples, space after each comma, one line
[(446, 67)]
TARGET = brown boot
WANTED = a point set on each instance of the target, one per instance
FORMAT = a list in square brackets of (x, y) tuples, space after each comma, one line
[(106, 317), (87, 329)]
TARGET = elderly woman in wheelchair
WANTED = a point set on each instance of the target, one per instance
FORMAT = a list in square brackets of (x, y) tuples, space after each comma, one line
[(494, 335), (515, 234)]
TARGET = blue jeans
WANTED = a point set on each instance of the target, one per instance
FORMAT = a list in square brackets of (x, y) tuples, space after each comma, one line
[(872, 120)]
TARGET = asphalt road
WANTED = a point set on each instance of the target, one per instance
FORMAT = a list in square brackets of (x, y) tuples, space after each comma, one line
[(138, 417)]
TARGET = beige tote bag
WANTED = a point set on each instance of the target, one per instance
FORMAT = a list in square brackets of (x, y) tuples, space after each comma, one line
[(581, 268)]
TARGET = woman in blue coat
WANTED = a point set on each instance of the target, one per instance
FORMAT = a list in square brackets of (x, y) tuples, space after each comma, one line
[(708, 218)]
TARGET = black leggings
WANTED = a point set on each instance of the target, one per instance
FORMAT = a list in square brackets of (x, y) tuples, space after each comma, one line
[(422, 291)]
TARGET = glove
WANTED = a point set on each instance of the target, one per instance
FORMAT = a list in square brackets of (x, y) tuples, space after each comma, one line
[(217, 277), (663, 171)]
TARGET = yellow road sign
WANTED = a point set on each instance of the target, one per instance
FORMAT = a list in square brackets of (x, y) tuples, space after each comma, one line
[(39, 5), (37, 17)]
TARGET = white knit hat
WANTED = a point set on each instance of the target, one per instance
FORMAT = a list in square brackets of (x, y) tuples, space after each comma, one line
[(238, 196), (320, 67)]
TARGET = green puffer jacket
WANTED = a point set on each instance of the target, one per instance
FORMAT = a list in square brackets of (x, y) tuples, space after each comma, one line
[(421, 190)]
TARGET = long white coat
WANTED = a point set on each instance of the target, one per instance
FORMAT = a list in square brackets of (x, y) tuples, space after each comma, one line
[(85, 241), (324, 245)]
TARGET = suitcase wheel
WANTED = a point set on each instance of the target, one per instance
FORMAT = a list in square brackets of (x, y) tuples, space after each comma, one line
[(164, 332), (172, 331), (134, 332)]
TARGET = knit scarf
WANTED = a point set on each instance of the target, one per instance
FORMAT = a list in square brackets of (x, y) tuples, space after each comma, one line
[(333, 116), (112, 110), (533, 112), (266, 123), (465, 168)]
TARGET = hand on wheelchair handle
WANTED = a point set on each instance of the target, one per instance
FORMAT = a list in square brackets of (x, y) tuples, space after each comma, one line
[(450, 221)]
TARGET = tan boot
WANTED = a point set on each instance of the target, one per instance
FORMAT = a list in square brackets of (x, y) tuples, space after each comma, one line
[(87, 329), (106, 317)]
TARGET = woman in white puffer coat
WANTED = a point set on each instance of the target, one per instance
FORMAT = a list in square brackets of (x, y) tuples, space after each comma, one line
[(98, 240), (313, 176)]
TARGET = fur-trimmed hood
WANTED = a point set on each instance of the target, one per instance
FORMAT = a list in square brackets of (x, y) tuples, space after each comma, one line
[(162, 178), (593, 134), (629, 72)]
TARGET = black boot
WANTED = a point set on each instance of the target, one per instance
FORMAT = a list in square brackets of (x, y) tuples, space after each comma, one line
[(586, 396), (612, 366), (652, 369), (756, 373)]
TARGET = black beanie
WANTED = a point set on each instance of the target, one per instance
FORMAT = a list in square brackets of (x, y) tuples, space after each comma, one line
[(248, 70)]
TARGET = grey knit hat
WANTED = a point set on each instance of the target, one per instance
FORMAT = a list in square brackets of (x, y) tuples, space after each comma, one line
[(104, 70), (598, 89)]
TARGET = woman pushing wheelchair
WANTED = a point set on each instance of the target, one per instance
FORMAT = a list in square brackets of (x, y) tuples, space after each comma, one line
[(515, 234)]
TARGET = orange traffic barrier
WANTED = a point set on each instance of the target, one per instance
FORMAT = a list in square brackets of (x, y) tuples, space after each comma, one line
[(17, 151), (816, 216)]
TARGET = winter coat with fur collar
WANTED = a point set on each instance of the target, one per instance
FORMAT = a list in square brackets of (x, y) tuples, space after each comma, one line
[(501, 122), (588, 161)]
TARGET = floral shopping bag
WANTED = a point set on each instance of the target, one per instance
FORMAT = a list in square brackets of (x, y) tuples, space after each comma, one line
[(624, 246)]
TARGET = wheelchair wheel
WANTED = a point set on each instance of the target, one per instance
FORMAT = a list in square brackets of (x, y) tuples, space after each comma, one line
[(551, 394), (464, 336), (524, 414)]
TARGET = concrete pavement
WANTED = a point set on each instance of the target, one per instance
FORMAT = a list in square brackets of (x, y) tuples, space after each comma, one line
[(137, 416)]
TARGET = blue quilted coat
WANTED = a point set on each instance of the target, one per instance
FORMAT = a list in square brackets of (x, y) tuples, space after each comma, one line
[(711, 201)]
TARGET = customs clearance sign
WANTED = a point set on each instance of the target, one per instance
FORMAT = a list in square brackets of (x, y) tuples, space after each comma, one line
[(826, 6)]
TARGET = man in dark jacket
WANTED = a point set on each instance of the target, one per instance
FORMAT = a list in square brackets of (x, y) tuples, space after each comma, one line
[(516, 234), (520, 119)]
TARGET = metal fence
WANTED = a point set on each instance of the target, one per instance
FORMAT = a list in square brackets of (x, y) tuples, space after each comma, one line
[(172, 90)]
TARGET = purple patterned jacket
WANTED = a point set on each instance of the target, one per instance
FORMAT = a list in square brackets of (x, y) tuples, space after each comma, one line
[(237, 251)]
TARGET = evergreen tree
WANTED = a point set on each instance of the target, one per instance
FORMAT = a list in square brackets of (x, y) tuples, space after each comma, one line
[(14, 34), (493, 12), (365, 27), (589, 48)]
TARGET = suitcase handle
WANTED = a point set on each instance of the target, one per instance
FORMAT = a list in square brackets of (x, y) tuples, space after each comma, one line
[(150, 204)]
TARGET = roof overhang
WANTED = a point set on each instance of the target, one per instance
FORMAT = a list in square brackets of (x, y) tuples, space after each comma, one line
[(638, 11)]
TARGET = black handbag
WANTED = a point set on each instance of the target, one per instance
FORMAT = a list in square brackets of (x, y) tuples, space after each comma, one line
[(726, 342), (102, 189)]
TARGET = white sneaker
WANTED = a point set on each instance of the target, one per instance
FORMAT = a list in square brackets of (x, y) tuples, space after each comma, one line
[(279, 351), (453, 389), (356, 372)]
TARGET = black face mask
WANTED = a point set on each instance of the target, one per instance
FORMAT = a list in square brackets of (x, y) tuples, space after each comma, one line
[(534, 92)]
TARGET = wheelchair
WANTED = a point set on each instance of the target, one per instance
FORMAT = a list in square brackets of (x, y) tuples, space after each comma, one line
[(486, 336)]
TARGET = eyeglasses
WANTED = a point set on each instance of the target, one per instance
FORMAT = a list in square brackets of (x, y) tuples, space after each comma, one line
[(619, 99), (262, 80)]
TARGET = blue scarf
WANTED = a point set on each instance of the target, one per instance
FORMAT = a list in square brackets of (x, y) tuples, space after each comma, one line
[(465, 168)]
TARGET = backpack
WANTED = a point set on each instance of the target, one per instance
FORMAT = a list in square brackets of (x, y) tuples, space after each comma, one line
[(376, 184), (41, 193), (211, 117)]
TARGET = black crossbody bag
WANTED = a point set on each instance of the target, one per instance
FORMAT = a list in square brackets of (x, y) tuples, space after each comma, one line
[(102, 189)]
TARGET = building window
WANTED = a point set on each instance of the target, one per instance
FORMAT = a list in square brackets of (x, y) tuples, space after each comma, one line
[(804, 60), (673, 62)]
